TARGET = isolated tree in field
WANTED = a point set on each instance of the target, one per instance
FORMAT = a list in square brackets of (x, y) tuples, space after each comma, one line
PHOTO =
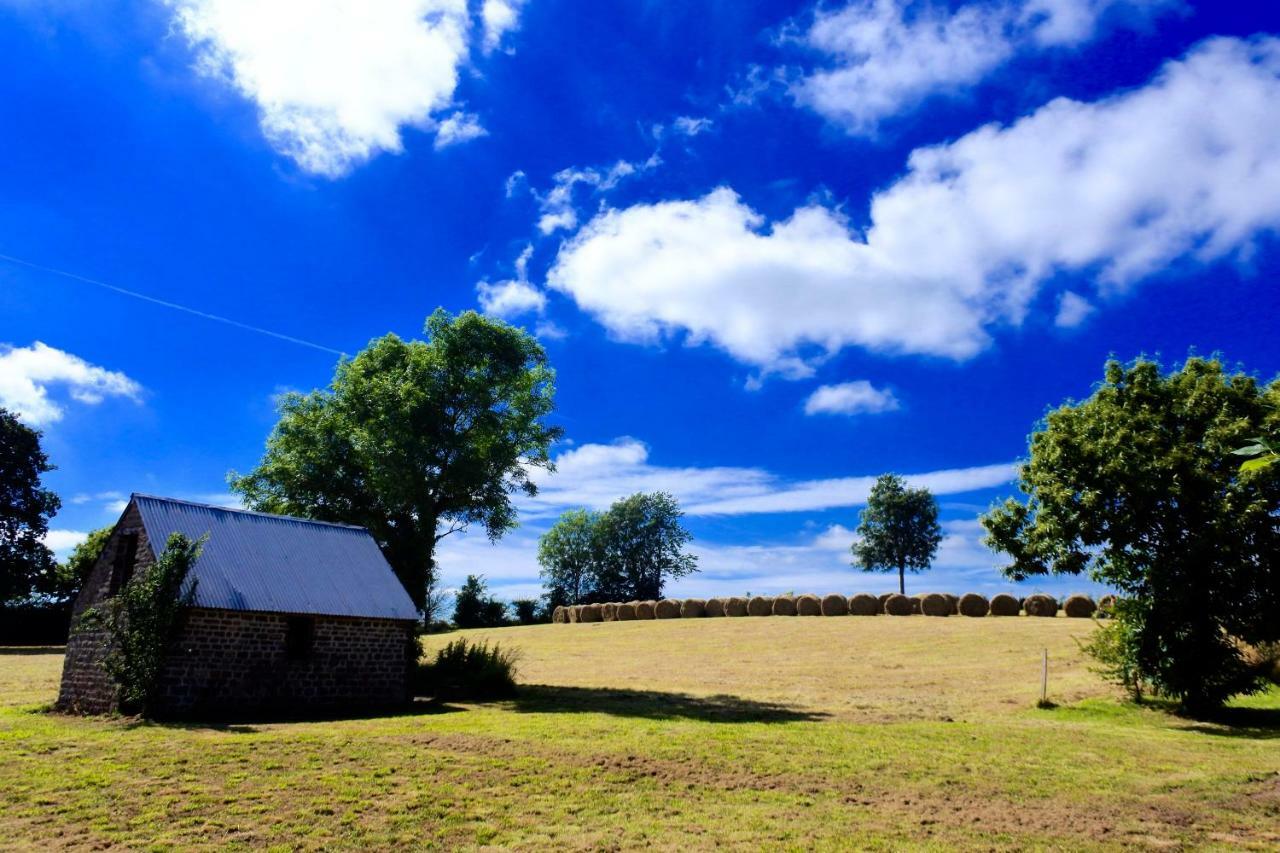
[(570, 555), (898, 530), (474, 608), (1137, 486), (641, 547), (415, 440), (27, 566)]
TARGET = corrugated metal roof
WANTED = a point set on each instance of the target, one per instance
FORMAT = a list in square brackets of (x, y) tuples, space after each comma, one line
[(256, 561)]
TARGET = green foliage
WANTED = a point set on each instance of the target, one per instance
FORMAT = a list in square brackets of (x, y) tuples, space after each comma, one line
[(1262, 452), (529, 611), (1135, 486), (74, 573), (143, 619), (473, 607), (628, 552), (571, 556), (463, 670), (27, 567), (1114, 646), (415, 440), (898, 530)]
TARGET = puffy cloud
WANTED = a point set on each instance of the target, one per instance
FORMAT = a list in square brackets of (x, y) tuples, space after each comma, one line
[(596, 475), (63, 542), (28, 374), (1184, 168), (691, 126), (334, 82), (513, 297), (888, 55), (851, 398), (499, 17), (457, 128)]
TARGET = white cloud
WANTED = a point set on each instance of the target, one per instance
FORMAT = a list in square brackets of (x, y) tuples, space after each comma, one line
[(691, 126), (886, 56), (513, 297), (1073, 309), (334, 82), (63, 542), (29, 374), (457, 128), (851, 398), (1185, 168), (499, 17), (596, 475), (557, 205)]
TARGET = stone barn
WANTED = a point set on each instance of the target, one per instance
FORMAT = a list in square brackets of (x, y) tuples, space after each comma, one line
[(289, 616)]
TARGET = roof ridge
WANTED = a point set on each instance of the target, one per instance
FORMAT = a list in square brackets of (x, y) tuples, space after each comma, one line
[(217, 508)]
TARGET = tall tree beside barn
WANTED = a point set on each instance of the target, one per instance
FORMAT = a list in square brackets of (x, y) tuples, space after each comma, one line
[(899, 530), (27, 566), (415, 440)]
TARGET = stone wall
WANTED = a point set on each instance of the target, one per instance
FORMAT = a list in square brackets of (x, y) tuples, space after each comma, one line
[(238, 662), (86, 689)]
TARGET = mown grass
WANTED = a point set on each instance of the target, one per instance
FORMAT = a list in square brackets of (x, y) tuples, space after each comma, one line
[(781, 732)]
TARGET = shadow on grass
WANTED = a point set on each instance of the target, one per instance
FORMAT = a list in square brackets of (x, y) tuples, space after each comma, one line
[(32, 650), (1248, 723), (654, 705), (246, 723)]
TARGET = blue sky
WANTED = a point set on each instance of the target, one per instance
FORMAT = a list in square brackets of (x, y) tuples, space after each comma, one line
[(772, 249)]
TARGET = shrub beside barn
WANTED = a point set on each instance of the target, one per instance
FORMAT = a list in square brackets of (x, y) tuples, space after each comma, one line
[(289, 615)]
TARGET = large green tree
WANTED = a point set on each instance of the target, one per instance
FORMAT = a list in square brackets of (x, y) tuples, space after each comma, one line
[(27, 566), (1137, 486), (570, 554), (898, 530), (415, 440), (641, 541)]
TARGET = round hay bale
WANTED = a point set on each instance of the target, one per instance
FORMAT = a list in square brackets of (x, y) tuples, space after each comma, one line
[(608, 612), (590, 613), (559, 616), (644, 609), (864, 604), (1106, 606), (575, 613), (715, 607), (955, 603), (808, 605), (1004, 604), (667, 608), (882, 598), (897, 605), (972, 604), (1079, 607), (1040, 605), (693, 608), (915, 605), (835, 605), (735, 606), (760, 605), (784, 605), (935, 604), (627, 612)]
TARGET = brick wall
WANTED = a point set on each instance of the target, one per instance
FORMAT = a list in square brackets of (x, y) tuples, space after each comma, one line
[(231, 661)]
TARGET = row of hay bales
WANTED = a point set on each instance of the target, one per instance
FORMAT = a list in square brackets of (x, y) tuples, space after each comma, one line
[(862, 604)]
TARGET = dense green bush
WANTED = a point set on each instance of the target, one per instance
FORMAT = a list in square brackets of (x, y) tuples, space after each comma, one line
[(463, 670)]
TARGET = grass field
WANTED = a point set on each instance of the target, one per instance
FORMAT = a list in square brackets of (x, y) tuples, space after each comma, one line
[(781, 732)]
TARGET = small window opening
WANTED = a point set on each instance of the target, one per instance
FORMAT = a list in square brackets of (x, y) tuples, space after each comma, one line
[(122, 568), (299, 637)]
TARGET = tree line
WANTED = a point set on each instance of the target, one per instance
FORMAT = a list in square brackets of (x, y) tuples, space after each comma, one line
[(1140, 487)]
